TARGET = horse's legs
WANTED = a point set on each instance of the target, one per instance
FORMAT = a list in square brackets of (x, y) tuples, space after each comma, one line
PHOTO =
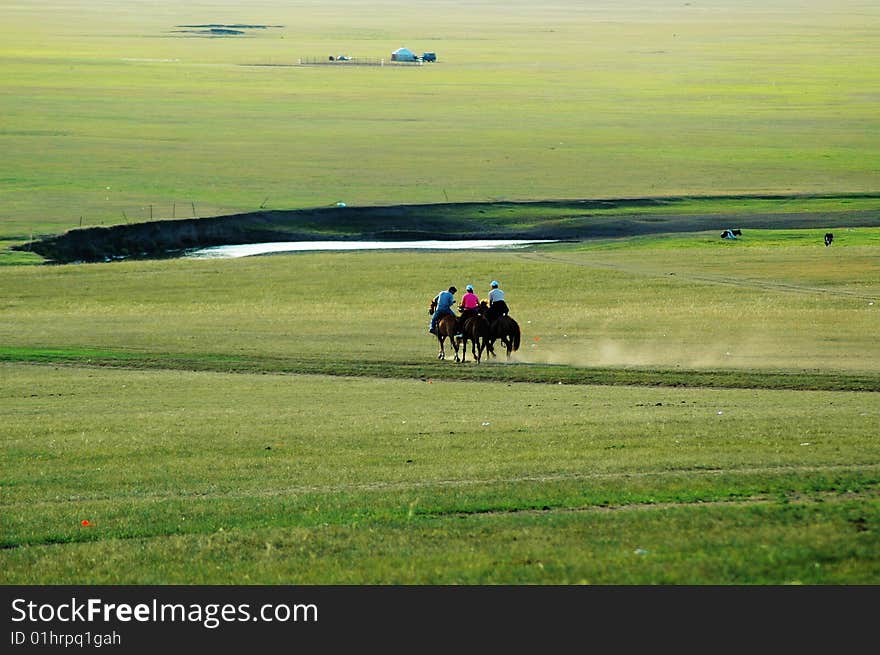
[(442, 353), (490, 347)]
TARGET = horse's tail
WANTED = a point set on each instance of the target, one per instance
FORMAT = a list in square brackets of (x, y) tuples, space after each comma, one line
[(515, 335)]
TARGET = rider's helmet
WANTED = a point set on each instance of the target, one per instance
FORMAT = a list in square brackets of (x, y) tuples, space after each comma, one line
[(469, 287), (494, 284), (452, 289)]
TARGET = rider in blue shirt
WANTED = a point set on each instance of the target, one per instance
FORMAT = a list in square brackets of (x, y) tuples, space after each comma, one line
[(445, 303)]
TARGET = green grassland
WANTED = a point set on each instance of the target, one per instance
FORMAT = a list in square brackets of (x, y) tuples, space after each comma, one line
[(696, 414), (707, 304), (111, 114), (205, 477), (682, 410)]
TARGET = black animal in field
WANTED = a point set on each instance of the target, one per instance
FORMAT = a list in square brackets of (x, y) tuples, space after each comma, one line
[(828, 239)]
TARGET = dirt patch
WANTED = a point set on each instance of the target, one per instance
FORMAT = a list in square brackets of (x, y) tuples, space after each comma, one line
[(220, 29)]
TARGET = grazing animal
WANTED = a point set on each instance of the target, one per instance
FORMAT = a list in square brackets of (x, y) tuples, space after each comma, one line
[(504, 329), (828, 239), (475, 329), (445, 328)]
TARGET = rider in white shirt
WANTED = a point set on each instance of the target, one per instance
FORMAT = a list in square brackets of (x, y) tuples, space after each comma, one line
[(497, 306)]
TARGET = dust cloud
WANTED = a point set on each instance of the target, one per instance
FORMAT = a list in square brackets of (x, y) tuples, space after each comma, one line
[(663, 353)]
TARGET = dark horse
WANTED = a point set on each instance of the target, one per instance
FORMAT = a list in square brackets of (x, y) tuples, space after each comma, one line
[(445, 328), (475, 329), (504, 329)]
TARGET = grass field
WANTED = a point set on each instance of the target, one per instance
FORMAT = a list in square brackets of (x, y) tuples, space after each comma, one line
[(682, 410), (313, 480), (654, 428), (111, 114)]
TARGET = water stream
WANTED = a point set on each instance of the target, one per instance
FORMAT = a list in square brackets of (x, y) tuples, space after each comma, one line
[(250, 249)]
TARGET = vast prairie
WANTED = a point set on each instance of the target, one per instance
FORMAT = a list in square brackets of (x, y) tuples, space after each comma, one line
[(682, 409), (113, 112)]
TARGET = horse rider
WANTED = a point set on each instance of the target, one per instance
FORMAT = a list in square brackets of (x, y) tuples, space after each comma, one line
[(497, 306), (470, 303), (445, 301)]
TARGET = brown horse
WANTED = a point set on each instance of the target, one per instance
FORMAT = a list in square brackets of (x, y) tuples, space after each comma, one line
[(476, 330), (445, 328), (504, 329)]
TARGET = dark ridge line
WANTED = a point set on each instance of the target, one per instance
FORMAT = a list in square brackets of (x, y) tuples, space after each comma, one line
[(165, 238), (234, 26), (518, 373)]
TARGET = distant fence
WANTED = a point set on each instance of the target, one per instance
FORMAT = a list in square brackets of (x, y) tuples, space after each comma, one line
[(355, 61)]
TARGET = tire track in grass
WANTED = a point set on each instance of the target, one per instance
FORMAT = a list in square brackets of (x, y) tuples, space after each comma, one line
[(725, 280), (452, 483), (818, 497), (410, 485), (814, 498)]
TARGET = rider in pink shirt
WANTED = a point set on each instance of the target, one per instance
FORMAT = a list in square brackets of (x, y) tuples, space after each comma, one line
[(469, 300), (468, 307)]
